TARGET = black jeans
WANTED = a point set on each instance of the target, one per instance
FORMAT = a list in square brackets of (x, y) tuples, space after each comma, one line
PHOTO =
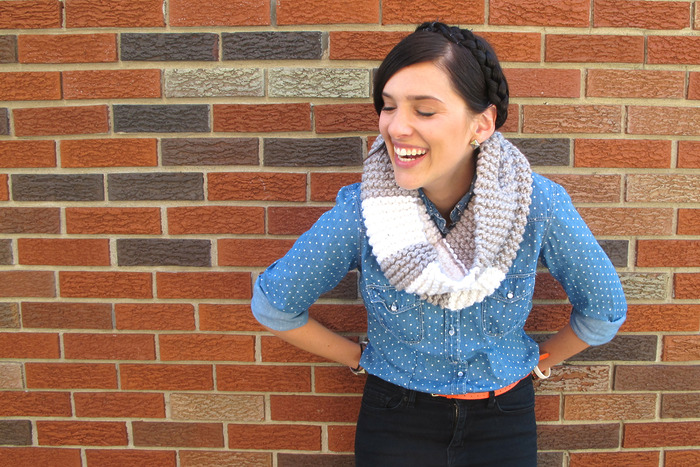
[(403, 428)]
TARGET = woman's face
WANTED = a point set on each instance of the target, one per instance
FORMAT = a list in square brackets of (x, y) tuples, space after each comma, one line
[(427, 128)]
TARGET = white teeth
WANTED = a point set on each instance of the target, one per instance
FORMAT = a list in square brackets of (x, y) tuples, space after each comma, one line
[(403, 152)]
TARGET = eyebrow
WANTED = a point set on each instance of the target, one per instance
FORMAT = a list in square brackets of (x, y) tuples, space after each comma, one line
[(415, 98)]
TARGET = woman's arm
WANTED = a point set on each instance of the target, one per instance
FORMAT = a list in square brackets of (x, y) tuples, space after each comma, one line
[(319, 340), (562, 345)]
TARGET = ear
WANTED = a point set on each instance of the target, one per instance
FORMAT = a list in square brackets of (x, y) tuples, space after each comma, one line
[(485, 124)]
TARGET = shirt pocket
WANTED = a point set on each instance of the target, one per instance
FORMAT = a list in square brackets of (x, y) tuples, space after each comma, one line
[(399, 313), (507, 308)]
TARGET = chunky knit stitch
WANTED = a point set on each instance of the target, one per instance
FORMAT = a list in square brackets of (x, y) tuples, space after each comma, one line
[(469, 263)]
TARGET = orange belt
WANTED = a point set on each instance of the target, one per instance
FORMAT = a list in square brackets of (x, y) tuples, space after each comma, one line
[(487, 394)]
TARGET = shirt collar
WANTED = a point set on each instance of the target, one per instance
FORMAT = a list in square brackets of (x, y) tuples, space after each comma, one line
[(456, 212)]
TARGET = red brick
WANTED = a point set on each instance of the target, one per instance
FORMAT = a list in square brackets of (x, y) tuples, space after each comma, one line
[(216, 219), (292, 220), (203, 458), (61, 120), (212, 347), (681, 348), (66, 315), (662, 318), (647, 84), (109, 153), (29, 345), (70, 433), (641, 14), (572, 13), (27, 284), (572, 119), (219, 13), (548, 288), (325, 186), (297, 437), (663, 120), (259, 252), (166, 377), (515, 47), (110, 14), (227, 318), (4, 188), (683, 458), (274, 349), (120, 458), (622, 153), (417, 11), (33, 456), (109, 346), (668, 253), (231, 285), (547, 408), (327, 12), (610, 407), (694, 85), (64, 251), (340, 118), (341, 318), (30, 86), (196, 435), (30, 14), (35, 404), (686, 285), (105, 284), (628, 221), (125, 221), (538, 82), (315, 408), (363, 45), (673, 50), (606, 459), (341, 438), (689, 154), (263, 378), (585, 436), (512, 125), (246, 118), (27, 154), (338, 380), (71, 375), (594, 49), (590, 188), (657, 378), (119, 405), (247, 186), (154, 316), (30, 220), (547, 317), (67, 48), (663, 434), (688, 222)]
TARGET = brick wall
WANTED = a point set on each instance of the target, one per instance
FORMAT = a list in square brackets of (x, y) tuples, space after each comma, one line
[(156, 155)]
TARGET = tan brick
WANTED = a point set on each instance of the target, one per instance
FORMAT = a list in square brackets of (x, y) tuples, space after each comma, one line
[(164, 434), (594, 49), (30, 86), (298, 437), (319, 82), (416, 11), (628, 221), (27, 154), (227, 407), (610, 407), (688, 222), (572, 119), (30, 14), (648, 84), (673, 50), (681, 348), (219, 13), (216, 219), (11, 376), (590, 188), (644, 286), (111, 84), (105, 284), (315, 408), (109, 346), (362, 45), (222, 347), (686, 285), (340, 118), (641, 14), (119, 405), (214, 82), (107, 14), (539, 82), (661, 434), (572, 13), (67, 48), (606, 459), (244, 118), (71, 375), (655, 188), (202, 458), (657, 378), (577, 378), (247, 186), (662, 318), (227, 285), (154, 316), (689, 154), (680, 405), (166, 377), (682, 121), (622, 153), (61, 120), (669, 253)]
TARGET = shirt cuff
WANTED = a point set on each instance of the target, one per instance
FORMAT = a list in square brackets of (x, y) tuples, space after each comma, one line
[(269, 316), (595, 331)]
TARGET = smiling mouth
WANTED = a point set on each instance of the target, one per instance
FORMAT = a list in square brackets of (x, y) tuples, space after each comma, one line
[(409, 154)]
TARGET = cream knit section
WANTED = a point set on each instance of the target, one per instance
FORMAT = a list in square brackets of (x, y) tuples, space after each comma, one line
[(469, 263)]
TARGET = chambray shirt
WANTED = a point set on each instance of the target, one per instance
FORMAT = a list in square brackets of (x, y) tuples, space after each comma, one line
[(423, 347)]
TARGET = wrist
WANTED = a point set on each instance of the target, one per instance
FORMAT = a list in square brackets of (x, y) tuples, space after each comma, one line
[(358, 370)]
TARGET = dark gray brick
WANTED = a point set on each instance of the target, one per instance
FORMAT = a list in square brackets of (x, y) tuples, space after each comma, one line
[(161, 118), (621, 348), (544, 151), (78, 187), (9, 315), (617, 251), (163, 252), (550, 459), (317, 152), (16, 432), (171, 46), (5, 251), (156, 186), (315, 460), (4, 122), (210, 151), (8, 49), (272, 45)]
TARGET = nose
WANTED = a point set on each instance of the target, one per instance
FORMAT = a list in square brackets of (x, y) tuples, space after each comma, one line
[(400, 124)]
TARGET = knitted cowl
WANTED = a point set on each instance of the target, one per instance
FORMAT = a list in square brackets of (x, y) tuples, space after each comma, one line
[(468, 264)]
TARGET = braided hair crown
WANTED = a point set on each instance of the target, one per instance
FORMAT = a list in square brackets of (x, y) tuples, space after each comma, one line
[(496, 86)]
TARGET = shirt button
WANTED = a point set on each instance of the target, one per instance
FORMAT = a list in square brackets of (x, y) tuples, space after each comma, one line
[(460, 374), (451, 332), (510, 295), (393, 307)]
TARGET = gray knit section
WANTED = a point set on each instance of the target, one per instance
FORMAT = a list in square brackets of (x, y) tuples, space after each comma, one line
[(405, 266)]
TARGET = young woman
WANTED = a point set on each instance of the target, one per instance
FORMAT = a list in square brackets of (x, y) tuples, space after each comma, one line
[(446, 230)]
